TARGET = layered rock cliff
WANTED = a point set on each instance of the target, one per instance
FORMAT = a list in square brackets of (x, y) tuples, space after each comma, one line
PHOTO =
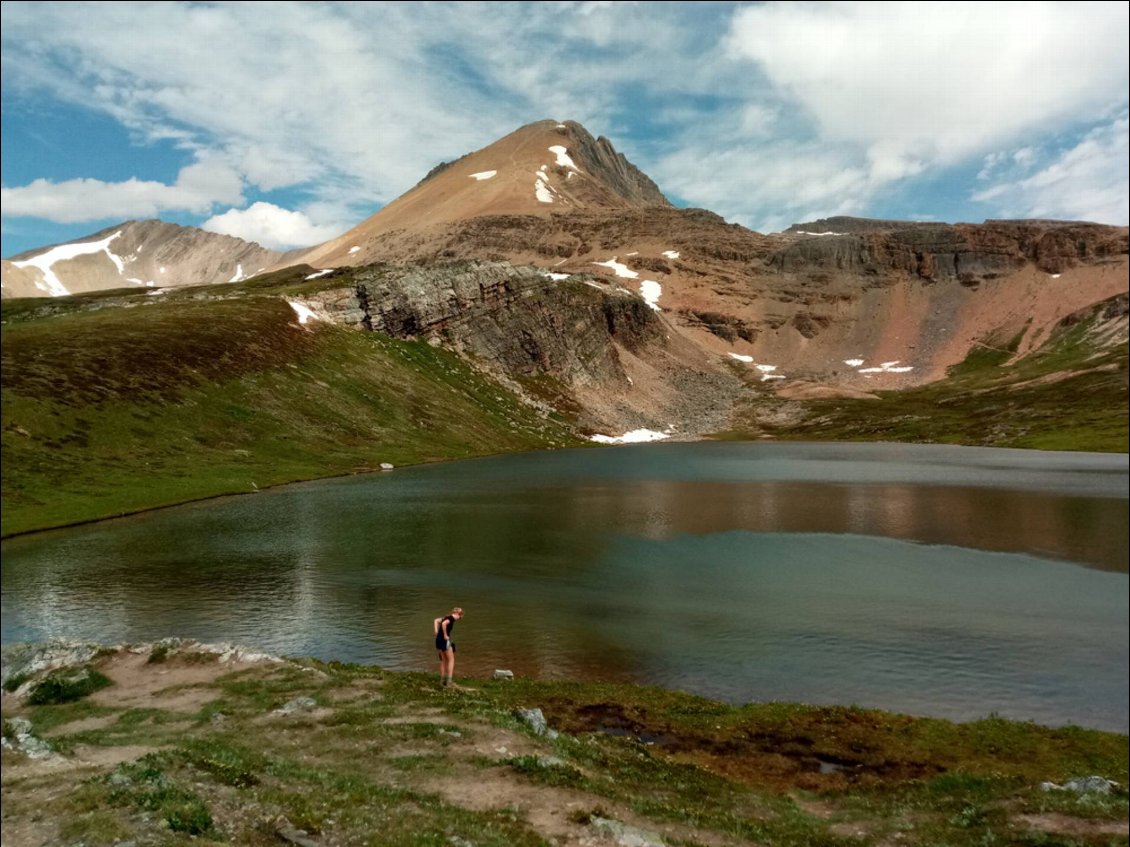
[(606, 355)]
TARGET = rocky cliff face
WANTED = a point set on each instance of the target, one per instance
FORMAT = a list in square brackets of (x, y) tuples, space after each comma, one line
[(916, 297), (590, 339), (145, 254), (966, 252)]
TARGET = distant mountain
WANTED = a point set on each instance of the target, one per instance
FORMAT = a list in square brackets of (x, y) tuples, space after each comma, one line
[(146, 254)]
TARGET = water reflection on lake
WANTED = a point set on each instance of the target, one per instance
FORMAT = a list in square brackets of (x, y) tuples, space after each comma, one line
[(936, 580)]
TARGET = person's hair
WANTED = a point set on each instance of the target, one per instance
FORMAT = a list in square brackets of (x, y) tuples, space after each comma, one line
[(456, 609)]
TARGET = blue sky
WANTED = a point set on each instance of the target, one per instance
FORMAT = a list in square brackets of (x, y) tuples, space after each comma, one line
[(288, 123)]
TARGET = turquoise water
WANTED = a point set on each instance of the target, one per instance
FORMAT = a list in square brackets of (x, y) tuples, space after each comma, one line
[(949, 581)]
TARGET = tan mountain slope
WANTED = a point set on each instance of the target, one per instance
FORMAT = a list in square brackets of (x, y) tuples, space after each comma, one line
[(542, 168), (151, 254)]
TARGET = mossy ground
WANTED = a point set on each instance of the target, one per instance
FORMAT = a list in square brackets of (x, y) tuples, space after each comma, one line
[(392, 759)]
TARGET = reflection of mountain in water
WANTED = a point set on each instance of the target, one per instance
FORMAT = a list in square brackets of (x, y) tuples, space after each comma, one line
[(727, 569)]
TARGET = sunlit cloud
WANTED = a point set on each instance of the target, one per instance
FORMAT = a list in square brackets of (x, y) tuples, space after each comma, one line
[(271, 226), (198, 188)]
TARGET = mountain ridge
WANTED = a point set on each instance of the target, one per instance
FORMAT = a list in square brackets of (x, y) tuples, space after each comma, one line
[(135, 253)]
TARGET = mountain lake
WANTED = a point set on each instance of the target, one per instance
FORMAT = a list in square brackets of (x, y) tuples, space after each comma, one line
[(934, 580)]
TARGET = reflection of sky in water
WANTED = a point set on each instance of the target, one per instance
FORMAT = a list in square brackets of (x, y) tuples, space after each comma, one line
[(916, 578), (918, 628)]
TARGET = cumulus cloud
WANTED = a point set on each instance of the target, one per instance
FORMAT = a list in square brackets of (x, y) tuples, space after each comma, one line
[(938, 81), (790, 183), (763, 112), (871, 96), (365, 96), (1087, 182), (197, 189), (272, 226)]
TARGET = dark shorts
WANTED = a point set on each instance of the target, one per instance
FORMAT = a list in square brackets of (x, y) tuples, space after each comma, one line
[(439, 643)]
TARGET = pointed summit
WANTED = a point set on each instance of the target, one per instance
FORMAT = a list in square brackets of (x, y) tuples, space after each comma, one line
[(539, 169)]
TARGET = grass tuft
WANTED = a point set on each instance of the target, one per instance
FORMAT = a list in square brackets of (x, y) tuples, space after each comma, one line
[(67, 686)]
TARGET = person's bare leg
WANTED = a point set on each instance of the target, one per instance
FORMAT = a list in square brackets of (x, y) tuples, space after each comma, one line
[(451, 667), (442, 666)]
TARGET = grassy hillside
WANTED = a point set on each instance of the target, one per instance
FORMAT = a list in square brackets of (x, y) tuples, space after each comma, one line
[(177, 747), (1071, 394), (114, 404)]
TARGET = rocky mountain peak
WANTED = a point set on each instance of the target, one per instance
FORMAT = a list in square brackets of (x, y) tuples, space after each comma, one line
[(543, 168)]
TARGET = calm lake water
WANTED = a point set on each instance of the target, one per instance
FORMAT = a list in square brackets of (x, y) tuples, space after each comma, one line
[(947, 581)]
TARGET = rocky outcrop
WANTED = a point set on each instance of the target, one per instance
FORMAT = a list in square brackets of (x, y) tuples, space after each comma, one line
[(611, 169), (586, 347), (966, 252), (519, 320)]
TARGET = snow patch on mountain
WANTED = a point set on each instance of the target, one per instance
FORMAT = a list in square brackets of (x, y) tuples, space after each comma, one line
[(481, 175), (44, 261), (891, 367), (650, 291), (563, 158), (541, 187), (620, 269), (303, 311), (636, 436)]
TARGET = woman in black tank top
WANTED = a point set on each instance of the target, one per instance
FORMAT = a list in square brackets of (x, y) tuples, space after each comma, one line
[(445, 646)]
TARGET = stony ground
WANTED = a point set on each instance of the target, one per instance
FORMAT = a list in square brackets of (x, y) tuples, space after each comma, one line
[(181, 743)]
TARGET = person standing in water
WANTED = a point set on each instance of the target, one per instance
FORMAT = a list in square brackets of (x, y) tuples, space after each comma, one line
[(445, 646)]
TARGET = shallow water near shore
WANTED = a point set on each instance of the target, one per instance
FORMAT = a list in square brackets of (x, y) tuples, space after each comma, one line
[(946, 581)]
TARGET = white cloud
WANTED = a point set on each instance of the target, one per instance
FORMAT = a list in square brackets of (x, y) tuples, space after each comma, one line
[(768, 113), (198, 187), (870, 95), (273, 227), (364, 98), (1087, 182), (942, 80), (796, 182)]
